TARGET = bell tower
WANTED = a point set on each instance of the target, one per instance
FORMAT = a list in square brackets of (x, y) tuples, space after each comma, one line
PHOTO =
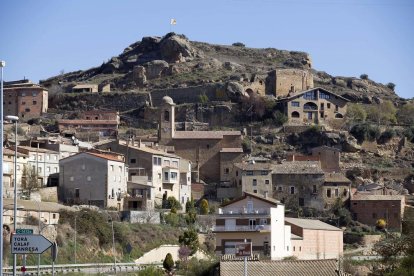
[(167, 120)]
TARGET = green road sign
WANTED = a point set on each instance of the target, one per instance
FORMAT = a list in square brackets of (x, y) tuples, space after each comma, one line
[(24, 231)]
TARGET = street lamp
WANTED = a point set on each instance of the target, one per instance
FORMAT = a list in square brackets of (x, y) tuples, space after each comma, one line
[(2, 65), (14, 119), (113, 243)]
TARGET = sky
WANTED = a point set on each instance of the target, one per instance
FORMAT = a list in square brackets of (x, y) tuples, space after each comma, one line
[(40, 38)]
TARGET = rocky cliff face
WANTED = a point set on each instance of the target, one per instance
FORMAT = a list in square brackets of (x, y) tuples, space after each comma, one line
[(173, 61)]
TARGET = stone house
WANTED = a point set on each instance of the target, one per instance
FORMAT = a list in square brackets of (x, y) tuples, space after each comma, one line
[(329, 158), (336, 186), (314, 239), (25, 99), (291, 81), (46, 212), (8, 171), (96, 178), (253, 178), (256, 219), (85, 88), (162, 170), (106, 122), (368, 209), (313, 106), (44, 162), (299, 183), (210, 152)]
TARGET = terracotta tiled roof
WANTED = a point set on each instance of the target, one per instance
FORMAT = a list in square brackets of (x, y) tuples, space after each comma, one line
[(298, 167), (311, 224), (231, 150), (36, 149), (204, 134), (251, 166), (336, 177), (362, 196), (88, 122), (281, 268), (11, 153), (106, 156), (258, 196)]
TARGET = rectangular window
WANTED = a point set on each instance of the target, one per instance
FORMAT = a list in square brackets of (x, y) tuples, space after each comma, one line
[(267, 181), (254, 182), (47, 169), (133, 161), (292, 190), (263, 172), (226, 171), (112, 168), (295, 104), (39, 169), (255, 191), (249, 173), (280, 189), (34, 102), (328, 192), (167, 163), (173, 175), (314, 190), (166, 176), (77, 192), (175, 164), (336, 192), (328, 105), (56, 170)]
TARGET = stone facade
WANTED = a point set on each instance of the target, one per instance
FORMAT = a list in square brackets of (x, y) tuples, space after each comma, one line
[(291, 81), (329, 158), (205, 149), (25, 100), (368, 209), (8, 171), (313, 106)]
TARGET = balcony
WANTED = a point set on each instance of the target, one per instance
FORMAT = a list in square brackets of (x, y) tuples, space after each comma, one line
[(242, 228), (243, 211)]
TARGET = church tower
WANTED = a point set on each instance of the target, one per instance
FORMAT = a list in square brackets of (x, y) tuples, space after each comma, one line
[(167, 120)]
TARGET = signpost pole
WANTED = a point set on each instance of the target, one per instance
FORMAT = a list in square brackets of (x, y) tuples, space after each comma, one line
[(245, 263), (24, 265)]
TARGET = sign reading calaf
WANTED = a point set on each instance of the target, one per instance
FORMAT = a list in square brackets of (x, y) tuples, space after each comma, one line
[(29, 244), (244, 249)]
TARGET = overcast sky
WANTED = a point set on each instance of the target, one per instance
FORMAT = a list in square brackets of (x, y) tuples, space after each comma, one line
[(39, 38)]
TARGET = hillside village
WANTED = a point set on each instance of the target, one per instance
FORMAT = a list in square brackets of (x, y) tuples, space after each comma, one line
[(235, 144)]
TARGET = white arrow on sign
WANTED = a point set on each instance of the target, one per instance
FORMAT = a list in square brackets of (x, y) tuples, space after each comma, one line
[(29, 244)]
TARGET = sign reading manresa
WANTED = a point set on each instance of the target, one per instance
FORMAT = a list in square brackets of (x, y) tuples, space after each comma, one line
[(244, 249), (29, 244)]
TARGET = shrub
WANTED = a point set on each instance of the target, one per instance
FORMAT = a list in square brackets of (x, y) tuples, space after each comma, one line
[(405, 114), (391, 86), (364, 76), (151, 271), (204, 207), (364, 132), (238, 44), (387, 135), (279, 118), (190, 238), (172, 219), (356, 113), (171, 202), (168, 263), (381, 224), (189, 206)]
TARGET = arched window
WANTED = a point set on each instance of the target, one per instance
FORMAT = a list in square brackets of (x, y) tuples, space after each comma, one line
[(295, 114), (339, 116), (310, 106), (166, 116)]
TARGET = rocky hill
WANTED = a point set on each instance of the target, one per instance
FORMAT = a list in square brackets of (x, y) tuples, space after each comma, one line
[(173, 61)]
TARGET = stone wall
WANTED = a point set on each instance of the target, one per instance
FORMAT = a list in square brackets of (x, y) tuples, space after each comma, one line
[(285, 79), (141, 217), (49, 194), (214, 92)]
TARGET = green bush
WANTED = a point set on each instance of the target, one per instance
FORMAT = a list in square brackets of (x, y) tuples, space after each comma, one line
[(279, 118), (168, 263), (364, 76), (365, 132), (391, 86), (204, 207), (151, 271), (190, 238), (387, 135), (171, 202), (238, 44)]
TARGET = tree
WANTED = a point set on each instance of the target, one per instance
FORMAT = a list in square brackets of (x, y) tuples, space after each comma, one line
[(204, 207), (364, 76), (190, 238), (356, 113), (171, 202), (405, 114), (189, 206), (29, 179), (390, 249), (168, 263), (391, 86), (383, 113)]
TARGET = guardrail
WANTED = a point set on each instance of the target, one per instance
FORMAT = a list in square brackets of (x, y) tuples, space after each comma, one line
[(91, 267)]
